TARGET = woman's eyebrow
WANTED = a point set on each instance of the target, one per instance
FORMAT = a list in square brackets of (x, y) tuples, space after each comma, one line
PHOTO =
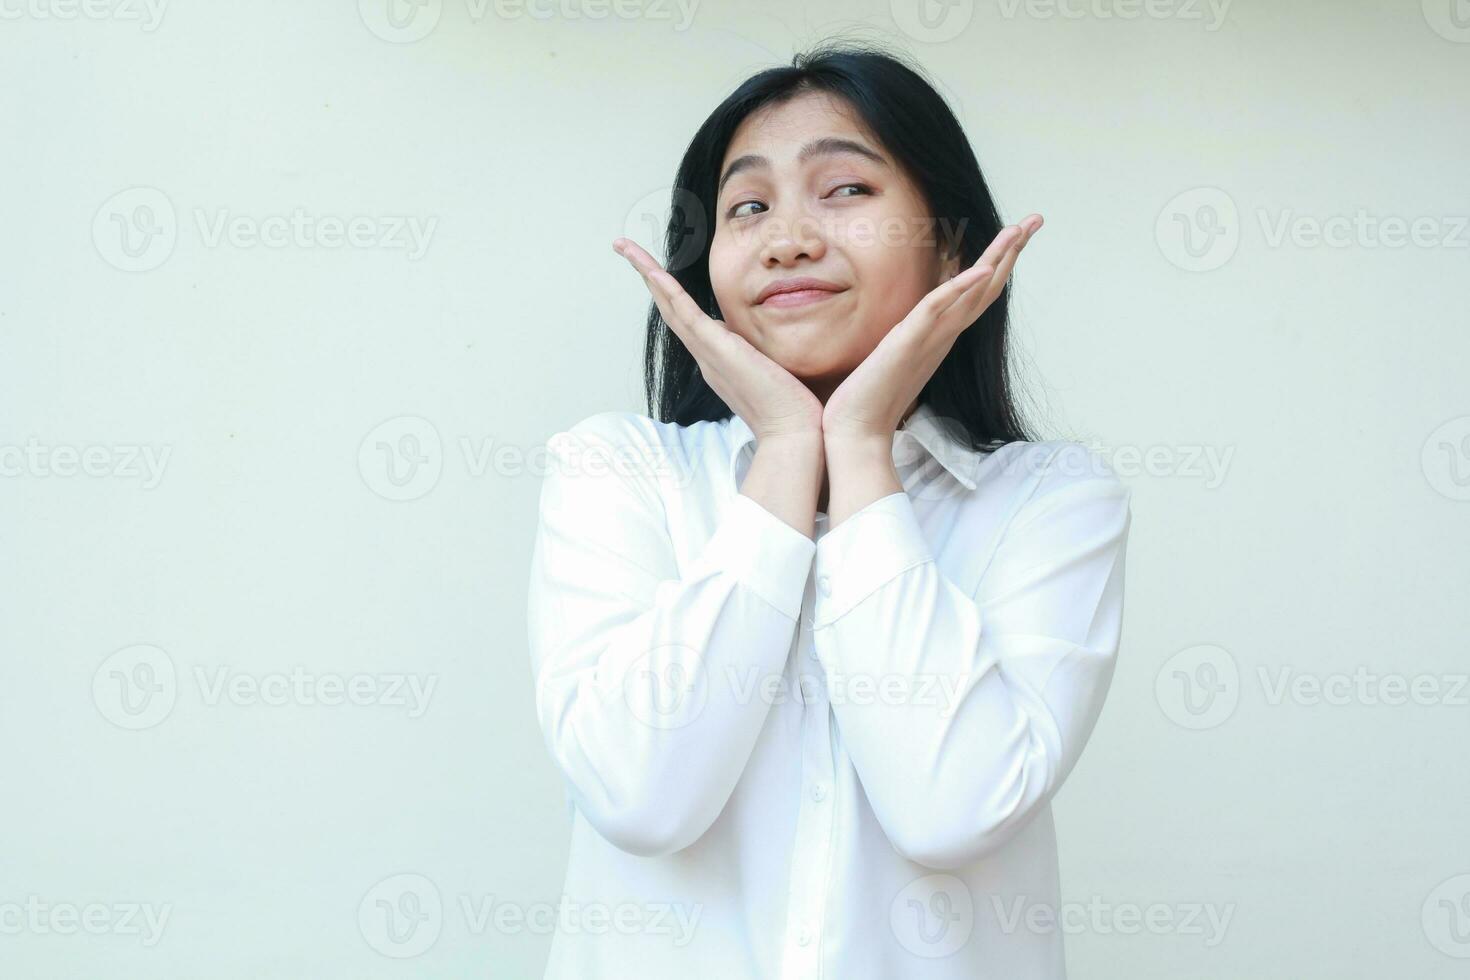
[(826, 146)]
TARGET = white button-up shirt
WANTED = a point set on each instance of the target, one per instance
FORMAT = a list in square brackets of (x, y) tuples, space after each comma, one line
[(787, 758)]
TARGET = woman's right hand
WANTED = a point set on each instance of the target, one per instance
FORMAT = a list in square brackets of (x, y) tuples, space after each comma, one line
[(763, 393)]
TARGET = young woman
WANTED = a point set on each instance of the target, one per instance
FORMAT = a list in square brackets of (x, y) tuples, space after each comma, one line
[(815, 645)]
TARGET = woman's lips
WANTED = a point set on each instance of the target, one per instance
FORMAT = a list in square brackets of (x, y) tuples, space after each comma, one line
[(798, 297)]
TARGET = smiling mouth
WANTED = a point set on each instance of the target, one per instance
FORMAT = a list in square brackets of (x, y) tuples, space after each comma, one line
[(798, 297)]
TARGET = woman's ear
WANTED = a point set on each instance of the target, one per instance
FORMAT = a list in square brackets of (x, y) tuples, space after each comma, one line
[(949, 265)]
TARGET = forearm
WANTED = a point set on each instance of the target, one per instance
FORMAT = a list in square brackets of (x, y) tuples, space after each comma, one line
[(860, 471), (785, 478), (995, 685), (640, 653)]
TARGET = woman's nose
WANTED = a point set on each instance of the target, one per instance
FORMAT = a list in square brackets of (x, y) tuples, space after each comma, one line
[(785, 241)]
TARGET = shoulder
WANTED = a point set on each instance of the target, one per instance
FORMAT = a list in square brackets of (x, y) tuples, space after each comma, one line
[(612, 428), (606, 440), (634, 429), (640, 447), (1070, 463), (1054, 487), (1035, 470)]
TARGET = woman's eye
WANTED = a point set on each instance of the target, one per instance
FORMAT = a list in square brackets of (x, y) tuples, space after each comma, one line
[(734, 212)]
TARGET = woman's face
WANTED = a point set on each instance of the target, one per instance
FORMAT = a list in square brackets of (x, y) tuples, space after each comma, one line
[(841, 215)]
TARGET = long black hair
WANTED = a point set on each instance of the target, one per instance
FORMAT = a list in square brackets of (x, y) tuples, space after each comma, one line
[(971, 391)]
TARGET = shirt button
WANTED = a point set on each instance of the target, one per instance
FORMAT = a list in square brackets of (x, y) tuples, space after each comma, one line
[(811, 651), (825, 584), (819, 792), (804, 936)]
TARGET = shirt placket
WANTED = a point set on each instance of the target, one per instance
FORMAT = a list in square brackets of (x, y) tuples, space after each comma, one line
[(812, 854)]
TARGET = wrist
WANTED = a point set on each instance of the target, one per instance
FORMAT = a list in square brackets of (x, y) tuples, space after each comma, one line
[(862, 449), (796, 444), (860, 470)]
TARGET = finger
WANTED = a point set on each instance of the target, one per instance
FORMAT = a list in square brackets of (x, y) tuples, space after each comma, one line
[(949, 293), (974, 301), (636, 255), (678, 309), (999, 245), (924, 321), (967, 281), (1003, 270), (645, 266), (689, 313)]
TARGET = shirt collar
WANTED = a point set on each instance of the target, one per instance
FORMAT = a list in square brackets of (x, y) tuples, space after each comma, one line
[(922, 428)]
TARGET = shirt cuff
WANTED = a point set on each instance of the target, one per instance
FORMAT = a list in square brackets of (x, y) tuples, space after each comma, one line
[(870, 548), (764, 553)]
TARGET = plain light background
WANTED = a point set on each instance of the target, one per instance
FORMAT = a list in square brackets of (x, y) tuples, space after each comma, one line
[(324, 416)]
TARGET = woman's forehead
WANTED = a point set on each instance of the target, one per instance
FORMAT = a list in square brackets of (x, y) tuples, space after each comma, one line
[(790, 124)]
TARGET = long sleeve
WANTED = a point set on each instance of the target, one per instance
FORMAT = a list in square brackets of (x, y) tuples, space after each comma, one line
[(993, 694), (646, 672)]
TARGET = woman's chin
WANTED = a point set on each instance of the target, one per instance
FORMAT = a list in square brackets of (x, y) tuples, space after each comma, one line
[(821, 372), (806, 351)]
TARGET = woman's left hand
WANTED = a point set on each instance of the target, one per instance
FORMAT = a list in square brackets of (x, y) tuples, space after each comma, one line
[(870, 403)]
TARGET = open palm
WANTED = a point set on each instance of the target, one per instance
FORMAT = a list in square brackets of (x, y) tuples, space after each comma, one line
[(870, 402), (769, 398)]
